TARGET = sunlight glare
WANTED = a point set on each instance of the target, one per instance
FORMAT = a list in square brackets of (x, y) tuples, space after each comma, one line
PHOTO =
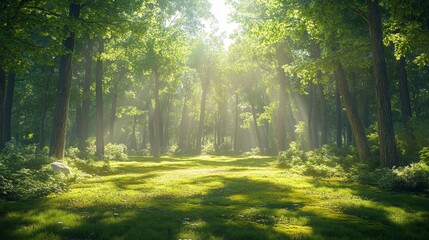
[(223, 26)]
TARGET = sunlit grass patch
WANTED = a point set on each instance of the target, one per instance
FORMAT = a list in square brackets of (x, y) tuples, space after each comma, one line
[(211, 197)]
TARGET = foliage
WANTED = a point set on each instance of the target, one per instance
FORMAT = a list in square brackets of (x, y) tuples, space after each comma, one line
[(253, 152), (115, 151), (111, 151), (322, 162), (208, 149), (208, 197), (25, 173)]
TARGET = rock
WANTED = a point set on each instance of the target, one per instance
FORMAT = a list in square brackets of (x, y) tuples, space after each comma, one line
[(116, 214), (61, 167)]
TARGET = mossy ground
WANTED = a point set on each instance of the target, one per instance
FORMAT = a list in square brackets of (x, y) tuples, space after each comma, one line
[(215, 198)]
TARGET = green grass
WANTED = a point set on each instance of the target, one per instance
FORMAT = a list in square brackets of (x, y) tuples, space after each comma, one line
[(215, 198)]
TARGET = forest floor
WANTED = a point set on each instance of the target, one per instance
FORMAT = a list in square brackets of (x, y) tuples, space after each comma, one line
[(211, 197)]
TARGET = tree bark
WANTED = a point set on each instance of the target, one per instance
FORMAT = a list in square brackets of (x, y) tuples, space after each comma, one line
[(86, 96), (8, 105), (151, 127), (205, 87), (133, 135), (404, 92), (313, 117), (156, 150), (99, 136), (352, 113), (255, 122), (338, 109), (281, 134), (236, 125), (63, 91), (42, 140), (183, 127), (2, 98), (385, 123), (323, 117), (113, 107)]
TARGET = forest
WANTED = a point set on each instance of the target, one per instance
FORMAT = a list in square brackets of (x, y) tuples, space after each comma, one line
[(214, 119)]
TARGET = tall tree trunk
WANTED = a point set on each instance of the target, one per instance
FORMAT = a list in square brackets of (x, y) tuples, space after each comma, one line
[(86, 96), (352, 113), (385, 123), (113, 107), (313, 117), (204, 85), (236, 125), (318, 112), (63, 91), (323, 117), (2, 98), (7, 111), (183, 127), (338, 109), (404, 92), (281, 133), (99, 136), (133, 135), (151, 127), (255, 122), (42, 140), (156, 150)]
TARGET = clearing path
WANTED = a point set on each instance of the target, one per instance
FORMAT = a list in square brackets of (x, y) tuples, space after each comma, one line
[(215, 198)]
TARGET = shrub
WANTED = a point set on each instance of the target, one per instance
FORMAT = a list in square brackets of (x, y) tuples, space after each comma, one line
[(172, 150), (208, 149), (253, 152), (115, 151), (321, 162), (414, 177), (25, 173)]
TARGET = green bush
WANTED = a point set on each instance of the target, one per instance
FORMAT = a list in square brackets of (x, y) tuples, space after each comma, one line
[(115, 151), (321, 162), (208, 149), (25, 173), (253, 152)]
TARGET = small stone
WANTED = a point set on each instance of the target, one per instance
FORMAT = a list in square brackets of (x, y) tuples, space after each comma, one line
[(116, 214), (60, 223)]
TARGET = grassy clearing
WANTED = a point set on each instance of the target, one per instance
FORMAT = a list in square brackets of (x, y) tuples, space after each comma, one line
[(215, 198)]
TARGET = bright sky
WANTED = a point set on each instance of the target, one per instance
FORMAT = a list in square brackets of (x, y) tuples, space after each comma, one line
[(221, 11)]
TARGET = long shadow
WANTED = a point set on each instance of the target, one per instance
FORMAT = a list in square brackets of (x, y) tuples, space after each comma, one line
[(239, 208)]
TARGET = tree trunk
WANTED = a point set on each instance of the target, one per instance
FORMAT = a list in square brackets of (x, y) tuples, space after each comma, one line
[(156, 150), (323, 117), (99, 137), (63, 91), (236, 125), (86, 96), (404, 91), (2, 98), (202, 116), (385, 123), (183, 127), (7, 111), (151, 127), (42, 140), (255, 122), (352, 113), (338, 110), (313, 118), (133, 135), (281, 133), (113, 108)]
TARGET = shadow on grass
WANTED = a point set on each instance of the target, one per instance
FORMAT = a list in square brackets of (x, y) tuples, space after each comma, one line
[(235, 208)]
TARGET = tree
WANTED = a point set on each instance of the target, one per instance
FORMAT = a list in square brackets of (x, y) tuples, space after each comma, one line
[(63, 90), (385, 122), (99, 140)]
